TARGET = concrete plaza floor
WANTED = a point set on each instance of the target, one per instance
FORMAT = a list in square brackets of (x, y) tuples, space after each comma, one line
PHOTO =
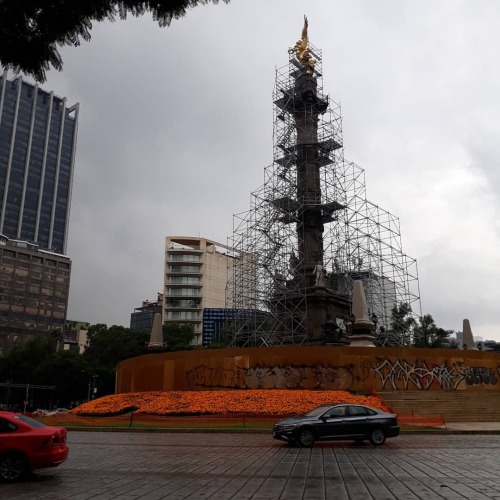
[(122, 465)]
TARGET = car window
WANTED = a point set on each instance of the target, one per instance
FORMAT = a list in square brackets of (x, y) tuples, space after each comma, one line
[(30, 421), (358, 411), (316, 412), (336, 411), (6, 426)]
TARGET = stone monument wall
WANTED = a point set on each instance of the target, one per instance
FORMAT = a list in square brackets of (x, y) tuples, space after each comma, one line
[(356, 369)]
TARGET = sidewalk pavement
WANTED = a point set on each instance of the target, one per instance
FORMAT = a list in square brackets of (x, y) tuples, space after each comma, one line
[(473, 427), (220, 466)]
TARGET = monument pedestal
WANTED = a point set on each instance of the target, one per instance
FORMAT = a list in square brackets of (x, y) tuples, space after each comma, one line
[(361, 341), (320, 303), (312, 306)]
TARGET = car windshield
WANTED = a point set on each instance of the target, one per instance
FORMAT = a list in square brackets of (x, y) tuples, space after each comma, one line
[(36, 424), (316, 412)]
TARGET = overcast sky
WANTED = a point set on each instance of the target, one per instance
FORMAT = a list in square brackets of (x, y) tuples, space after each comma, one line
[(176, 123)]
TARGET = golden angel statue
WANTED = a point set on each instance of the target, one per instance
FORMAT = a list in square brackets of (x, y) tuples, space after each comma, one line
[(301, 50)]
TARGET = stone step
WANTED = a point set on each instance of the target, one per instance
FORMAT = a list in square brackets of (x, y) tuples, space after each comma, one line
[(458, 406)]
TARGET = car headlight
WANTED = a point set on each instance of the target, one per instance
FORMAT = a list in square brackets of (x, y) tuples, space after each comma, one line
[(287, 427)]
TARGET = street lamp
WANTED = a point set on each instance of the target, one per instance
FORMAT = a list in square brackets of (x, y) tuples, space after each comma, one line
[(92, 386)]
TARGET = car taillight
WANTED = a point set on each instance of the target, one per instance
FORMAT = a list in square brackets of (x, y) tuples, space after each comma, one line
[(55, 440)]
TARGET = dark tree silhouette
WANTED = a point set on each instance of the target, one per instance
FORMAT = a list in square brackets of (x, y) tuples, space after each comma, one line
[(178, 336), (427, 334), (32, 30)]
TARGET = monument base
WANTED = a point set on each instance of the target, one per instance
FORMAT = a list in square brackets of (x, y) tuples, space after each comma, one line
[(361, 340)]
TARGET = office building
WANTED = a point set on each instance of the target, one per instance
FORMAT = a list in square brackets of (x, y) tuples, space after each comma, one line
[(142, 317), (196, 275), (37, 151), (34, 287)]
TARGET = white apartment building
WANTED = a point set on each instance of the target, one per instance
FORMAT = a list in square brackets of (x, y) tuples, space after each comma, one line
[(195, 278)]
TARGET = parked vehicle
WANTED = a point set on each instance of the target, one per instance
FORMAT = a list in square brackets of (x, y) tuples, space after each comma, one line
[(338, 422), (57, 411), (40, 413), (26, 444)]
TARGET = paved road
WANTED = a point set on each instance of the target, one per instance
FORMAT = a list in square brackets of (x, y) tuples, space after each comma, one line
[(106, 465)]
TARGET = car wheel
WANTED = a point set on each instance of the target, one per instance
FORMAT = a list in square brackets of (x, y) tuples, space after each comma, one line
[(12, 467), (306, 437), (377, 437)]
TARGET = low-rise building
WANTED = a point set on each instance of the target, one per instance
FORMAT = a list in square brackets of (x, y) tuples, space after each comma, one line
[(75, 336), (196, 276), (142, 317)]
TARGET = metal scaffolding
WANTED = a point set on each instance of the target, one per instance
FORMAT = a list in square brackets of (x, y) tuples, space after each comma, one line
[(360, 240)]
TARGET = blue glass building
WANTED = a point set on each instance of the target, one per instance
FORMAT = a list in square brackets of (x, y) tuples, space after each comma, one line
[(142, 318), (216, 319), (37, 151)]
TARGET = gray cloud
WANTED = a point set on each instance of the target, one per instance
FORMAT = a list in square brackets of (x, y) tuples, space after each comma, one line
[(176, 129)]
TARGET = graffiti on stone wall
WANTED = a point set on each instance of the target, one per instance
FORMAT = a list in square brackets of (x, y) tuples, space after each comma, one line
[(400, 374), (275, 377), (204, 376), (480, 376), (397, 374)]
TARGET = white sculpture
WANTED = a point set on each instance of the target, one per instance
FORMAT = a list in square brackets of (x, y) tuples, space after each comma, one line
[(319, 273)]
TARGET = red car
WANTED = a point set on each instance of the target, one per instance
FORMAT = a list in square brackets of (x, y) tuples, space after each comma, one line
[(27, 444)]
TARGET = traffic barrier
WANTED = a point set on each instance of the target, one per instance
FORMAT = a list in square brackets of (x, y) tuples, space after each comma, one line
[(209, 421), (412, 420)]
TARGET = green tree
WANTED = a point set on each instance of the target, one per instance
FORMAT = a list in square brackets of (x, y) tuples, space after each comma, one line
[(68, 372), (20, 363), (178, 336), (427, 334), (402, 324), (32, 30), (107, 347)]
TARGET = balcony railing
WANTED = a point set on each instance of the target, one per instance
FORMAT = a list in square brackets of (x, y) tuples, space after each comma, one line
[(183, 258), (185, 270), (184, 305)]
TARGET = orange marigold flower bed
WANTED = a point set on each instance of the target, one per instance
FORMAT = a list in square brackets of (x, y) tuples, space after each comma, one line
[(258, 401)]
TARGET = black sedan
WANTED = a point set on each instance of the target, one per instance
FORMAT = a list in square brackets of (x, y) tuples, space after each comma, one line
[(342, 422)]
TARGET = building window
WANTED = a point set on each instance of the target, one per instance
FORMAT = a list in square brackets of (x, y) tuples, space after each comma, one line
[(183, 280)]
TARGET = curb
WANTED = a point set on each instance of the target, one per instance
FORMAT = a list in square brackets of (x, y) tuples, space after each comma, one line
[(166, 430)]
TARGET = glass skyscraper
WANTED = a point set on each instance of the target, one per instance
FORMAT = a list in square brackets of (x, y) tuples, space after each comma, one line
[(37, 150)]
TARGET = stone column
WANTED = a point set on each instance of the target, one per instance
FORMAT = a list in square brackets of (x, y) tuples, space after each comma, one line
[(362, 328), (156, 339), (467, 338)]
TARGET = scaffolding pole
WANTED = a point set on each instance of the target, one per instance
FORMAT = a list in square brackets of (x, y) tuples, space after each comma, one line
[(360, 240)]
